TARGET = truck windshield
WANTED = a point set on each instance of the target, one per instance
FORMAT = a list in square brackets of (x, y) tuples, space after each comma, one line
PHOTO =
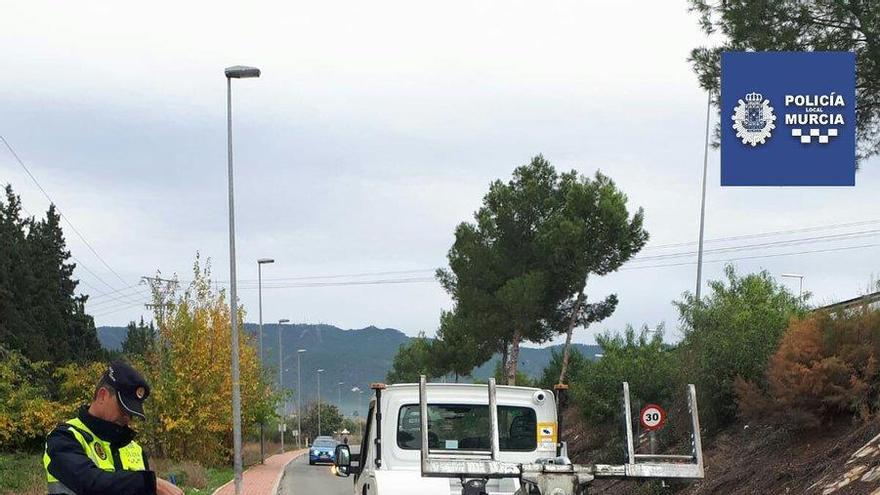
[(466, 427)]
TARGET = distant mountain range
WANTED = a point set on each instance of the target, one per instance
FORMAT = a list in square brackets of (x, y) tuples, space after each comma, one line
[(355, 357)]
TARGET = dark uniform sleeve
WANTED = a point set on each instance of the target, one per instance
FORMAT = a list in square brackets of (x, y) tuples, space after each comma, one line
[(72, 466)]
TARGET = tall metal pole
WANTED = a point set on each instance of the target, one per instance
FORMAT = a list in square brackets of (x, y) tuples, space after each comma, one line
[(281, 384), (233, 302), (237, 72), (260, 304), (319, 402), (260, 298), (339, 399), (703, 202), (299, 399)]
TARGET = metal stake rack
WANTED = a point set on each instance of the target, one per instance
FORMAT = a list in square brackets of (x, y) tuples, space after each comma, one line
[(552, 476)]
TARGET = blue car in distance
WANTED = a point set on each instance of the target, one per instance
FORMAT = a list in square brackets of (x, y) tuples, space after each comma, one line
[(323, 449)]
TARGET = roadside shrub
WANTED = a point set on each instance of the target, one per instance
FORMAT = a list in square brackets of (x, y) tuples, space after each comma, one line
[(826, 366), (26, 411), (641, 359), (730, 333)]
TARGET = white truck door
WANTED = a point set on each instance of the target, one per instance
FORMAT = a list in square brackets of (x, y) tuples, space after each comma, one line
[(365, 483)]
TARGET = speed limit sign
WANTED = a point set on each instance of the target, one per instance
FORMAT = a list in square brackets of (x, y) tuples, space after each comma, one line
[(652, 417)]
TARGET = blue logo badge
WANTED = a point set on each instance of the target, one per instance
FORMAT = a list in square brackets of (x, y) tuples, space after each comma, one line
[(788, 119)]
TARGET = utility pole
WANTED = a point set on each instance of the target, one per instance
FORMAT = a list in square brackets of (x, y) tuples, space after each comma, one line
[(299, 398), (236, 72), (161, 290), (703, 203), (260, 263), (283, 424), (319, 401)]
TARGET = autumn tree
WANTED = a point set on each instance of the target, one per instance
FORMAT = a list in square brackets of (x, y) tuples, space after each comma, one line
[(190, 407), (794, 25), (826, 367)]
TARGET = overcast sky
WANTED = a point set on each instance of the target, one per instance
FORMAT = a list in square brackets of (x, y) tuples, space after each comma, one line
[(375, 129)]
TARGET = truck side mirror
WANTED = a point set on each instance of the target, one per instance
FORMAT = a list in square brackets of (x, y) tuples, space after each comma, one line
[(342, 461)]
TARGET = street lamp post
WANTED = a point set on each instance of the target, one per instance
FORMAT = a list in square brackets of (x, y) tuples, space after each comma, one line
[(281, 379), (703, 203), (319, 401), (260, 263), (798, 276), (236, 72), (299, 399)]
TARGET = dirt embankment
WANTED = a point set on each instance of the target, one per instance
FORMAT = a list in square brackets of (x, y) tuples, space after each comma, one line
[(839, 459)]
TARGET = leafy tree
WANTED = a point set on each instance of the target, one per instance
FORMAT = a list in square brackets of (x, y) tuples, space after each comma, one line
[(456, 351), (412, 359), (190, 374), (822, 25), (139, 339), (516, 272), (599, 235), (732, 333), (550, 375), (331, 419), (642, 359)]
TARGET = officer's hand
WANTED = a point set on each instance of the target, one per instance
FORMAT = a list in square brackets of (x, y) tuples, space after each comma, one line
[(166, 488)]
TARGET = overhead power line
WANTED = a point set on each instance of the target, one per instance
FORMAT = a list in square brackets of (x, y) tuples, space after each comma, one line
[(771, 244), (769, 234), (829, 250), (60, 213), (80, 263)]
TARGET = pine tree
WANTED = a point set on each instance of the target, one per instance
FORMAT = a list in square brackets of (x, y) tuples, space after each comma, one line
[(17, 331), (40, 314), (139, 339)]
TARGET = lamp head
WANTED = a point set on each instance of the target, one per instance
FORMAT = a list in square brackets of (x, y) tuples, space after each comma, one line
[(241, 72)]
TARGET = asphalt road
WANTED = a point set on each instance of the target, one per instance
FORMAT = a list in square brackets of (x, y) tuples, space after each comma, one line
[(302, 479)]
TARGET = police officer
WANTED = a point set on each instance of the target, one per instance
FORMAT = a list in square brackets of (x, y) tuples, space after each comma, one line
[(95, 452)]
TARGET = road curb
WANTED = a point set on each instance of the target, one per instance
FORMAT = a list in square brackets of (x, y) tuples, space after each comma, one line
[(274, 490)]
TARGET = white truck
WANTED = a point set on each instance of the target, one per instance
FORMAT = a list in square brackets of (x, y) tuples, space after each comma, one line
[(451, 439)]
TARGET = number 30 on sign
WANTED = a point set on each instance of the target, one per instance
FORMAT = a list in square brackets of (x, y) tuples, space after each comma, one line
[(652, 417)]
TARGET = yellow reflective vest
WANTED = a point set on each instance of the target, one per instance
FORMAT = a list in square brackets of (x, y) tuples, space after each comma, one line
[(64, 456)]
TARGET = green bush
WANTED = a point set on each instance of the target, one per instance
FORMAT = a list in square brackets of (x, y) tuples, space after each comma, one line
[(732, 333), (641, 359)]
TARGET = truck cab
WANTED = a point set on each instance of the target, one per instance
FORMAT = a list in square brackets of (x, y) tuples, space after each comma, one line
[(457, 439), (458, 421)]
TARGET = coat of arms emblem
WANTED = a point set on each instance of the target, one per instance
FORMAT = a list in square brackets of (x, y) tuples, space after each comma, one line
[(753, 119), (99, 450)]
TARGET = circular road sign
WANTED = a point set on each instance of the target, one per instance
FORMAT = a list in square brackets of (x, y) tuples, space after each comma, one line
[(652, 417)]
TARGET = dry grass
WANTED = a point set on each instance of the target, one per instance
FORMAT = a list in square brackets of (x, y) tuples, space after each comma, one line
[(188, 473)]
